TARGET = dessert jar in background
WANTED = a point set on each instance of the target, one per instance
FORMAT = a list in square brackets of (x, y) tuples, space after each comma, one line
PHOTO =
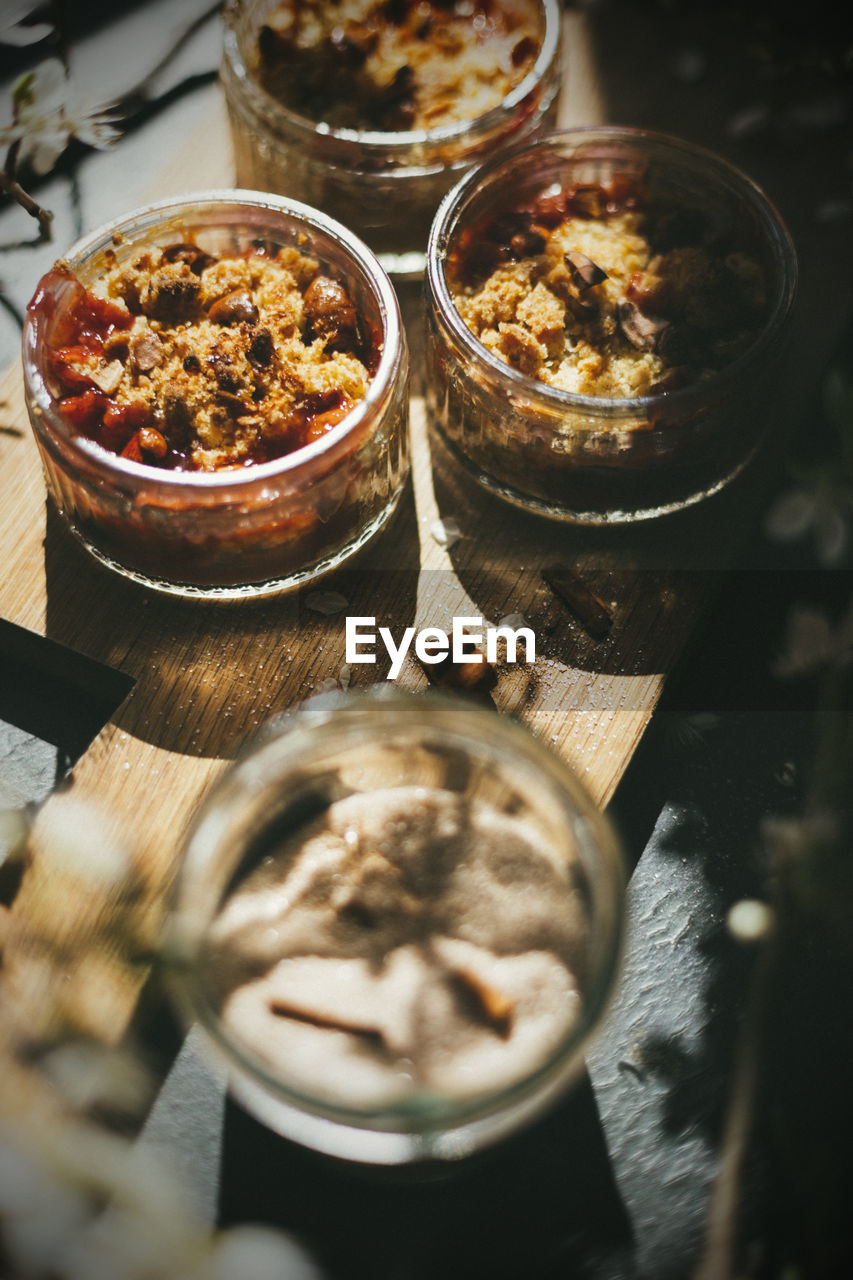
[(275, 495), (398, 921), (381, 176), (605, 310)]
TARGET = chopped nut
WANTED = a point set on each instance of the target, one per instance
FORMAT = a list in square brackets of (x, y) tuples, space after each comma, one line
[(328, 1021), (493, 1004), (146, 351), (261, 350), (195, 258), (584, 273), (117, 343), (330, 313), (232, 402), (642, 331), (236, 307), (172, 292), (469, 676), (108, 377), (151, 441), (587, 607)]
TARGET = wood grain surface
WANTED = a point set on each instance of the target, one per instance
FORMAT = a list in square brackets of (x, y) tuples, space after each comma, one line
[(205, 677)]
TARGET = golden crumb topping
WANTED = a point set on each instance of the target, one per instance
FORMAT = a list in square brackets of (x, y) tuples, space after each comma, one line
[(607, 297), (202, 363), (397, 64)]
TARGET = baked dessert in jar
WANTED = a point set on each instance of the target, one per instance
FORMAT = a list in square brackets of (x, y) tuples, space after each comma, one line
[(218, 388), (625, 294), (398, 921), (393, 65), (372, 109)]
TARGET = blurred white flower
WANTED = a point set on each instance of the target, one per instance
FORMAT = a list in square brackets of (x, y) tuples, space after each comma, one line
[(749, 920), (13, 30), (78, 842), (258, 1253), (749, 121), (812, 642), (124, 1244), (88, 1074), (822, 511), (14, 826), (49, 112), (446, 532), (789, 840), (40, 1212)]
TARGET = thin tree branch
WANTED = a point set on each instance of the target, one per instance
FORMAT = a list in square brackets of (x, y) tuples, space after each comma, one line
[(719, 1260), (134, 99), (10, 184)]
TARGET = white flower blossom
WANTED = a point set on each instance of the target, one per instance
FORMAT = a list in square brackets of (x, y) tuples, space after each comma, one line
[(259, 1253), (786, 839), (446, 532), (49, 112), (12, 28), (812, 642), (14, 827), (39, 1211), (78, 842), (749, 920), (89, 1074), (823, 510)]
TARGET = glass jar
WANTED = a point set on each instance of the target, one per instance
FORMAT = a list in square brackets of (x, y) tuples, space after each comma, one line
[(599, 459), (243, 531), (530, 868), (386, 186)]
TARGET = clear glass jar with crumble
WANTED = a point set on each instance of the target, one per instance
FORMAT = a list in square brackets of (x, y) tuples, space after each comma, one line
[(605, 310), (381, 177), (398, 921), (319, 474)]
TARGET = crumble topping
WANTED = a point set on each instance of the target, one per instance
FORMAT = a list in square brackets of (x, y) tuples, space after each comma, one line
[(408, 939), (608, 293), (397, 64), (184, 360)]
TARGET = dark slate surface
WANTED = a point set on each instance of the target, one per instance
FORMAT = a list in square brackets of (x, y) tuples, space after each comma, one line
[(614, 1182)]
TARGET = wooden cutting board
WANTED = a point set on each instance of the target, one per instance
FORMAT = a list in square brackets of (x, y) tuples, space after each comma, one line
[(205, 677)]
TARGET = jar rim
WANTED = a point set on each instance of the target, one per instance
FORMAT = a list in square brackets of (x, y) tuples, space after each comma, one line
[(776, 235), (148, 218), (274, 113), (264, 761)]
